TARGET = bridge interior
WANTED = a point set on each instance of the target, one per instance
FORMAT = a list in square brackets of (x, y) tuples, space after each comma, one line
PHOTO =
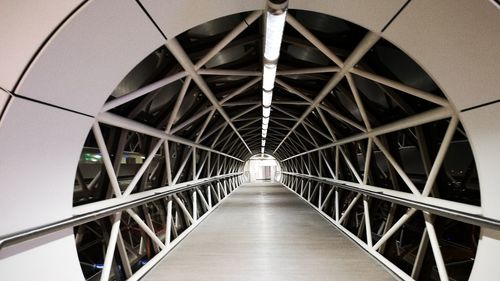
[(264, 231), (253, 140)]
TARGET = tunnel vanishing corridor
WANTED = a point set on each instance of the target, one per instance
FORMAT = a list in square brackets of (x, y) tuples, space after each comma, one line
[(249, 140), (265, 232)]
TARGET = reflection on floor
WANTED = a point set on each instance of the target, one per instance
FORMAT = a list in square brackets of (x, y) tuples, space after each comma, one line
[(265, 232)]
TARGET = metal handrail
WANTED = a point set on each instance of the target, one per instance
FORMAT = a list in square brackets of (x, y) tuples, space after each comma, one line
[(462, 216), (32, 233)]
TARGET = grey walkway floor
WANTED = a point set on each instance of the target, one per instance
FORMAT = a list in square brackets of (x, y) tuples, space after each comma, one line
[(265, 232)]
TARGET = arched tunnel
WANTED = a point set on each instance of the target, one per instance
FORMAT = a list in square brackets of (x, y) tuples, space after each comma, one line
[(128, 126)]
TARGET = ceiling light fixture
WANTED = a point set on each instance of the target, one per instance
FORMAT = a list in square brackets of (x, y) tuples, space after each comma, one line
[(266, 112), (275, 24), (268, 76), (267, 97)]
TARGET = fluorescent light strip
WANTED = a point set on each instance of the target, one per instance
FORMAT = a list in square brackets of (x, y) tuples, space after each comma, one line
[(268, 76), (275, 24), (274, 33), (266, 112), (267, 97)]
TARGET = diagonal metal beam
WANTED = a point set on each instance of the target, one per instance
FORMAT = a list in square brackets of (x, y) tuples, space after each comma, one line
[(312, 70), (232, 119), (315, 41), (142, 91), (335, 114), (181, 56), (229, 72), (412, 121), (228, 38), (240, 90), (366, 43), (191, 120), (125, 123), (178, 104), (401, 87)]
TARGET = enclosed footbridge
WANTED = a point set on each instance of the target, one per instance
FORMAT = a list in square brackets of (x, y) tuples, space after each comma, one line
[(249, 140)]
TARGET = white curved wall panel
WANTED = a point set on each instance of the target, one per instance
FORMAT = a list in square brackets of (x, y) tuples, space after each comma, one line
[(52, 257), (24, 26), (40, 147), (483, 127), (175, 17), (372, 15), (86, 59), (4, 99), (487, 256), (456, 42)]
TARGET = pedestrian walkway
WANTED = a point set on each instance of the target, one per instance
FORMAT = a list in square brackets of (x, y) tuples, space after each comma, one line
[(265, 232)]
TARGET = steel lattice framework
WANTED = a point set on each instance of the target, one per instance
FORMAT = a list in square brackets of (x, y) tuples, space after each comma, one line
[(342, 160)]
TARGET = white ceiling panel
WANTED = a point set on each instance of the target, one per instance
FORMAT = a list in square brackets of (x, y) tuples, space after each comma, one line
[(24, 26), (175, 17), (39, 149), (456, 42), (90, 54), (482, 126)]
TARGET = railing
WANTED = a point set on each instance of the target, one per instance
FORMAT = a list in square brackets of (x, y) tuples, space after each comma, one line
[(321, 192), (217, 189), (452, 210)]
